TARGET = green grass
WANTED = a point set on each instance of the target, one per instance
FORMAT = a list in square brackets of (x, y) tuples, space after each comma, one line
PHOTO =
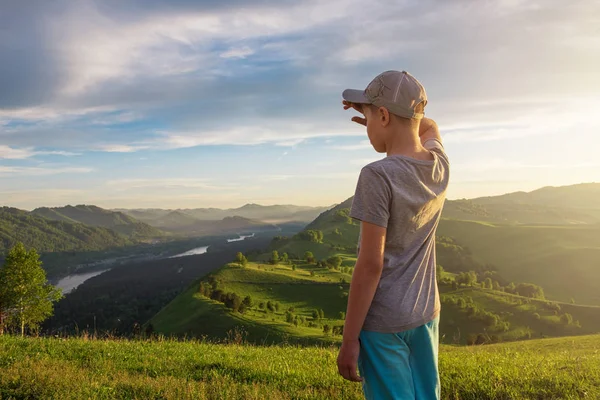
[(561, 259), (192, 314), (48, 368), (519, 312)]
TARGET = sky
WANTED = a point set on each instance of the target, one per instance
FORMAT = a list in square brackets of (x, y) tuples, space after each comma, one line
[(218, 103)]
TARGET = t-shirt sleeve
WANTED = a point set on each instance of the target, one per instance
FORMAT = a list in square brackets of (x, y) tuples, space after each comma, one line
[(436, 146), (372, 198)]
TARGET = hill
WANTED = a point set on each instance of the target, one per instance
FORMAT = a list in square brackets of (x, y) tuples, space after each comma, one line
[(567, 368), (53, 236), (283, 299), (561, 259), (565, 205), (270, 214), (96, 216), (181, 223), (582, 196)]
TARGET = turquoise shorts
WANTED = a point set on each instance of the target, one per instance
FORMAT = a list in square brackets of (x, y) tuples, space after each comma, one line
[(399, 366)]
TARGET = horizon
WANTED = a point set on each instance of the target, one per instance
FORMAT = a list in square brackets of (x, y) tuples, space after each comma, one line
[(275, 204), (185, 104)]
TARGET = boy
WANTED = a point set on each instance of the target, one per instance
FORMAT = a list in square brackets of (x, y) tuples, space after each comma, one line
[(391, 328)]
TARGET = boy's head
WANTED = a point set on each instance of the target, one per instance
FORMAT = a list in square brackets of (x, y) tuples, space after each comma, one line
[(393, 101)]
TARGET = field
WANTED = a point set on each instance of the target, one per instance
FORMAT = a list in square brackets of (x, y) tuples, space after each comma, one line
[(76, 368)]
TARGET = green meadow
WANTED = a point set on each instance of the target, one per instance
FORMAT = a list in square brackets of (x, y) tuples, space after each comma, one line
[(77, 368)]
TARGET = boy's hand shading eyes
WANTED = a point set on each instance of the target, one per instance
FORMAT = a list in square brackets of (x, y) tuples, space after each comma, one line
[(357, 107)]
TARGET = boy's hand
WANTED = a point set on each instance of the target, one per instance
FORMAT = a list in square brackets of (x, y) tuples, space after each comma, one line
[(347, 360), (428, 129), (357, 107)]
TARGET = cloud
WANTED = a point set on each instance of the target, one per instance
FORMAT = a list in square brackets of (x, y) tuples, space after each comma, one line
[(10, 153), (119, 148), (6, 171), (240, 52), (149, 75)]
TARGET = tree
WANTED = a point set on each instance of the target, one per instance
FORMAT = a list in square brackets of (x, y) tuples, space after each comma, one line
[(239, 257), (309, 257), (335, 261), (566, 319), (439, 272), (342, 315), (530, 290), (26, 296), (233, 301), (285, 258), (487, 283), (326, 329), (315, 314), (274, 257), (321, 313), (293, 267), (510, 288), (467, 278), (247, 301)]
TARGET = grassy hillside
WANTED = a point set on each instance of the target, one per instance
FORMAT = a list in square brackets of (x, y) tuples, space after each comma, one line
[(567, 368), (469, 314), (96, 216), (53, 236), (562, 259), (193, 314)]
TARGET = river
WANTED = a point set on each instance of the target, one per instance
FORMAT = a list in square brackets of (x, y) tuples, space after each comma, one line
[(192, 252), (69, 283), (240, 238)]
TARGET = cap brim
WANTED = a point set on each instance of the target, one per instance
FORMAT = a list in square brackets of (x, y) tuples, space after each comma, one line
[(355, 96)]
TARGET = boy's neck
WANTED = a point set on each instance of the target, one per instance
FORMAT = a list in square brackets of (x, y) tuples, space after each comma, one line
[(407, 143)]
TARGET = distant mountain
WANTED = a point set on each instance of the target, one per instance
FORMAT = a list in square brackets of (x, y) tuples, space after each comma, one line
[(580, 196), (96, 216), (269, 214), (174, 220), (566, 205), (47, 235), (228, 225)]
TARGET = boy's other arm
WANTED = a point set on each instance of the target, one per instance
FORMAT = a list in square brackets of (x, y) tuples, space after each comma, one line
[(362, 290), (428, 130)]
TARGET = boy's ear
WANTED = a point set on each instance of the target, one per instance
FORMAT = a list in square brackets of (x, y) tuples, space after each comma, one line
[(384, 116)]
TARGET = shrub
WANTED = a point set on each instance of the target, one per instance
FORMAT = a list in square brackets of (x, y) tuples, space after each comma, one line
[(247, 301)]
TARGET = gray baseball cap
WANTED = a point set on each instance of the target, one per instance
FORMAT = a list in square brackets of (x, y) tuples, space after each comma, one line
[(399, 92)]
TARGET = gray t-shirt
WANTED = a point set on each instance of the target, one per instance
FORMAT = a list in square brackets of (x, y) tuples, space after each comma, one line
[(406, 196)]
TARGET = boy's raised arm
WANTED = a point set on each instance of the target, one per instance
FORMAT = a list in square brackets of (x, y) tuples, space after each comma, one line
[(428, 130)]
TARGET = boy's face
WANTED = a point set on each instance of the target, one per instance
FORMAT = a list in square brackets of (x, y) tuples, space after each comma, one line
[(375, 128)]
